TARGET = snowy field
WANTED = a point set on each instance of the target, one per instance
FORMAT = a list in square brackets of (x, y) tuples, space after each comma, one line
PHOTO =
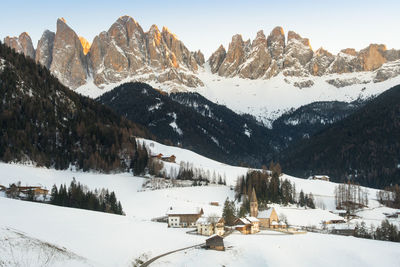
[(79, 237), (290, 250)]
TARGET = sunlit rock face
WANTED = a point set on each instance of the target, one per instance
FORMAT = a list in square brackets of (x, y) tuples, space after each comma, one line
[(264, 58), (85, 44), (21, 44), (125, 50), (69, 63)]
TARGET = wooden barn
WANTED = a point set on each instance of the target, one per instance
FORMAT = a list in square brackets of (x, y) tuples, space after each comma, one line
[(247, 225), (319, 177), (215, 242)]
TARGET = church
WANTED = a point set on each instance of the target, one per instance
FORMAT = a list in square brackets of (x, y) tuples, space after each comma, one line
[(268, 219)]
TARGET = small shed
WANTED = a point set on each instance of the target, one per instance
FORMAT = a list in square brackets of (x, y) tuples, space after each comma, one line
[(215, 242)]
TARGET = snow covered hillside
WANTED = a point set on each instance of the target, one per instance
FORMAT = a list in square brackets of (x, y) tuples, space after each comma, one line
[(270, 98), (102, 239)]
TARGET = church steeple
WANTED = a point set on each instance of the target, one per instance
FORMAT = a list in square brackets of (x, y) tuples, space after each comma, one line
[(253, 204)]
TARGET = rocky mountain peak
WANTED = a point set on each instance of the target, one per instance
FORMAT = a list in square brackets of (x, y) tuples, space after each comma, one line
[(216, 59), (21, 44), (44, 50), (68, 61), (234, 57), (295, 36), (372, 57), (276, 43), (349, 51)]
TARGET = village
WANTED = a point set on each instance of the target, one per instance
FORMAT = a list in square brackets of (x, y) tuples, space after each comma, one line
[(215, 227)]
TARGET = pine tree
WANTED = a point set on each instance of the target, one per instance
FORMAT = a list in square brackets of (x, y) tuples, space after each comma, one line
[(228, 212)]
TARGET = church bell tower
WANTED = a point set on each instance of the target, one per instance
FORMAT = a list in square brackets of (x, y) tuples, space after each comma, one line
[(253, 204)]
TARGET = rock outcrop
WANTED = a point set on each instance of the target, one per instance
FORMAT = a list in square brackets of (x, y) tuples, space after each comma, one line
[(44, 50), (125, 50), (21, 44), (216, 59), (85, 44), (69, 63)]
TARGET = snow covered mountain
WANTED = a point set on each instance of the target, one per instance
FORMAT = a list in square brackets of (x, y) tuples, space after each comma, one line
[(264, 77)]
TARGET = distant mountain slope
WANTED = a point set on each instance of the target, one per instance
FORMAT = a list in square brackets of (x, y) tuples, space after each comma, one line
[(307, 120), (193, 122), (45, 122), (364, 147)]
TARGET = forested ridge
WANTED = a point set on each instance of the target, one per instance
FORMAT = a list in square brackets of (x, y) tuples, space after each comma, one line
[(43, 121), (363, 148)]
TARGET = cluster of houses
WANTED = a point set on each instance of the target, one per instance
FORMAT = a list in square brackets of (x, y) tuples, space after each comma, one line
[(209, 226), (16, 190), (319, 177), (162, 157)]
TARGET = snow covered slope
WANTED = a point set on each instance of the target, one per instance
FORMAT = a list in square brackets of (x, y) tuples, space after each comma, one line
[(101, 239), (274, 249), (267, 99)]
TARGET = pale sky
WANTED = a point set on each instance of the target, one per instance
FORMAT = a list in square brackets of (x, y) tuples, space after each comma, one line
[(206, 24)]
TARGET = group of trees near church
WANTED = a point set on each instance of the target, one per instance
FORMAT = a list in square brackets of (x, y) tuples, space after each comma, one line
[(43, 121), (386, 231), (79, 196), (269, 188)]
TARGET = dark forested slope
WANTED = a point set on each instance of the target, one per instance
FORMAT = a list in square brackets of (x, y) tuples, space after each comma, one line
[(364, 147), (43, 121)]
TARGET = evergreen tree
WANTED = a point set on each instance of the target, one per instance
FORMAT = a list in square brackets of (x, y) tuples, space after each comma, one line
[(228, 212)]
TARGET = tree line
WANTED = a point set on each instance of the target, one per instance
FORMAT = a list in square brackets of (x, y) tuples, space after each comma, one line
[(79, 196), (386, 231), (269, 188), (350, 196)]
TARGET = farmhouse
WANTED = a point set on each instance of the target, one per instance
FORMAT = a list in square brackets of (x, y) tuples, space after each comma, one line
[(247, 225), (215, 242), (183, 217), (209, 226), (171, 159), (319, 177)]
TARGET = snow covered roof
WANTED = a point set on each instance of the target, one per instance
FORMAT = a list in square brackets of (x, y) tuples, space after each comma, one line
[(265, 214), (244, 221), (282, 223), (274, 223), (184, 211), (252, 219)]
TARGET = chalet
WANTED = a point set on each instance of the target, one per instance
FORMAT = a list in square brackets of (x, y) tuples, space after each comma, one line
[(157, 156), (171, 159), (215, 242), (37, 190), (214, 203), (247, 225), (183, 217), (206, 226), (319, 177), (2, 188), (334, 221)]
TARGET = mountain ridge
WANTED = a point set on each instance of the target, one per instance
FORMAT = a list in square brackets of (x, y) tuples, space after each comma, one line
[(126, 51)]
